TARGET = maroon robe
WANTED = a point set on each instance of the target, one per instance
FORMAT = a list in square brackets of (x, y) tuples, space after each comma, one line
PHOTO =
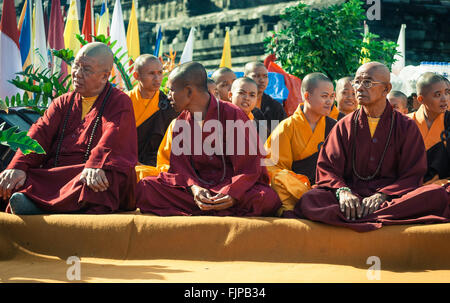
[(400, 176), (114, 149), (245, 180)]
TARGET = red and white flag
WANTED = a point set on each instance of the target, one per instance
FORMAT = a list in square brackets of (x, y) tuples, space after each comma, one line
[(10, 60)]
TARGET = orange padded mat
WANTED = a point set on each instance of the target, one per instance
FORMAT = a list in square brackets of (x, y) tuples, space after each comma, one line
[(132, 247)]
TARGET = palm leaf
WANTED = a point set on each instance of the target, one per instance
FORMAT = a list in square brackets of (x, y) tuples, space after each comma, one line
[(19, 140)]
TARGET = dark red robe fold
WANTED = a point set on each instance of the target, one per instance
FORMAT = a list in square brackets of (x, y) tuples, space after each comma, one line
[(245, 180), (400, 176), (114, 149)]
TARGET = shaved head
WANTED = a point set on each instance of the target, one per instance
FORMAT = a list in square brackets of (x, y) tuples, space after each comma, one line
[(426, 80), (239, 81), (310, 81), (375, 69), (341, 82), (101, 52), (191, 73), (251, 66), (143, 60), (223, 70)]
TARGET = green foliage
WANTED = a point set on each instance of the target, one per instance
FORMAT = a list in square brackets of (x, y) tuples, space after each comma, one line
[(42, 85), (328, 40), (19, 140), (117, 58), (64, 54)]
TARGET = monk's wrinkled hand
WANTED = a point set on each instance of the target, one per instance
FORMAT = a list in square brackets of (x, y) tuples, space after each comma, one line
[(202, 197), (11, 179), (95, 179), (222, 201), (371, 204), (349, 204)]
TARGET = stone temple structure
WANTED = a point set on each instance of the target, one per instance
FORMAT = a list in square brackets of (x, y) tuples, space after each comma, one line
[(250, 21)]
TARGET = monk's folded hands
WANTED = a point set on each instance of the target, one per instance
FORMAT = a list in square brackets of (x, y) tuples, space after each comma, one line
[(11, 179)]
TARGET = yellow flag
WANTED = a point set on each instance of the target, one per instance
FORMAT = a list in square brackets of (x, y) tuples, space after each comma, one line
[(226, 53), (364, 51), (133, 35), (72, 28)]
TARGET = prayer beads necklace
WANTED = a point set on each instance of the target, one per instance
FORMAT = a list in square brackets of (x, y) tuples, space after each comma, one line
[(355, 128), (66, 119), (223, 159)]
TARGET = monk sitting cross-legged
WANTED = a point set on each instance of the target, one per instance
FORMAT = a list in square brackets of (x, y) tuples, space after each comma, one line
[(298, 139), (371, 166), (89, 137), (209, 172)]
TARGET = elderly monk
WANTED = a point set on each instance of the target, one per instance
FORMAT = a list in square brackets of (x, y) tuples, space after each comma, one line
[(209, 173), (298, 139), (370, 169), (89, 136), (151, 108), (273, 111)]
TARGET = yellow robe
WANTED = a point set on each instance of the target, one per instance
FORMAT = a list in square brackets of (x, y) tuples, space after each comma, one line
[(163, 158), (296, 142), (431, 136), (143, 108), (86, 105), (334, 113)]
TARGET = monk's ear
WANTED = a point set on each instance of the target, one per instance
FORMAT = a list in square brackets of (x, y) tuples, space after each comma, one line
[(420, 99), (306, 96), (189, 91), (230, 94), (136, 76), (388, 88)]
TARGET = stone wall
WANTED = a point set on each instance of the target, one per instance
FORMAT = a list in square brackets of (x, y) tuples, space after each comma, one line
[(251, 21)]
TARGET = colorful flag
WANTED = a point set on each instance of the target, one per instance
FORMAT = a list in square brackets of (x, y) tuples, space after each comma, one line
[(25, 41), (22, 17), (56, 37), (103, 22), (88, 22), (188, 50), (40, 53), (10, 60), (72, 28), (118, 34), (398, 65), (158, 42), (133, 35)]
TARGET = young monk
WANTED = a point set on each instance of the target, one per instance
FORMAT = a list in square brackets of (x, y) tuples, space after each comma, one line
[(398, 101), (151, 108), (89, 136), (212, 88), (371, 166), (223, 77), (298, 139), (273, 112), (243, 94), (345, 98), (431, 118), (224, 182)]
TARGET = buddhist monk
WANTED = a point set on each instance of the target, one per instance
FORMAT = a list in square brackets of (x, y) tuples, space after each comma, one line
[(212, 88), (151, 108), (299, 138), (89, 136), (433, 118), (398, 101), (211, 172), (273, 112), (371, 166), (345, 98), (243, 94), (223, 77)]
